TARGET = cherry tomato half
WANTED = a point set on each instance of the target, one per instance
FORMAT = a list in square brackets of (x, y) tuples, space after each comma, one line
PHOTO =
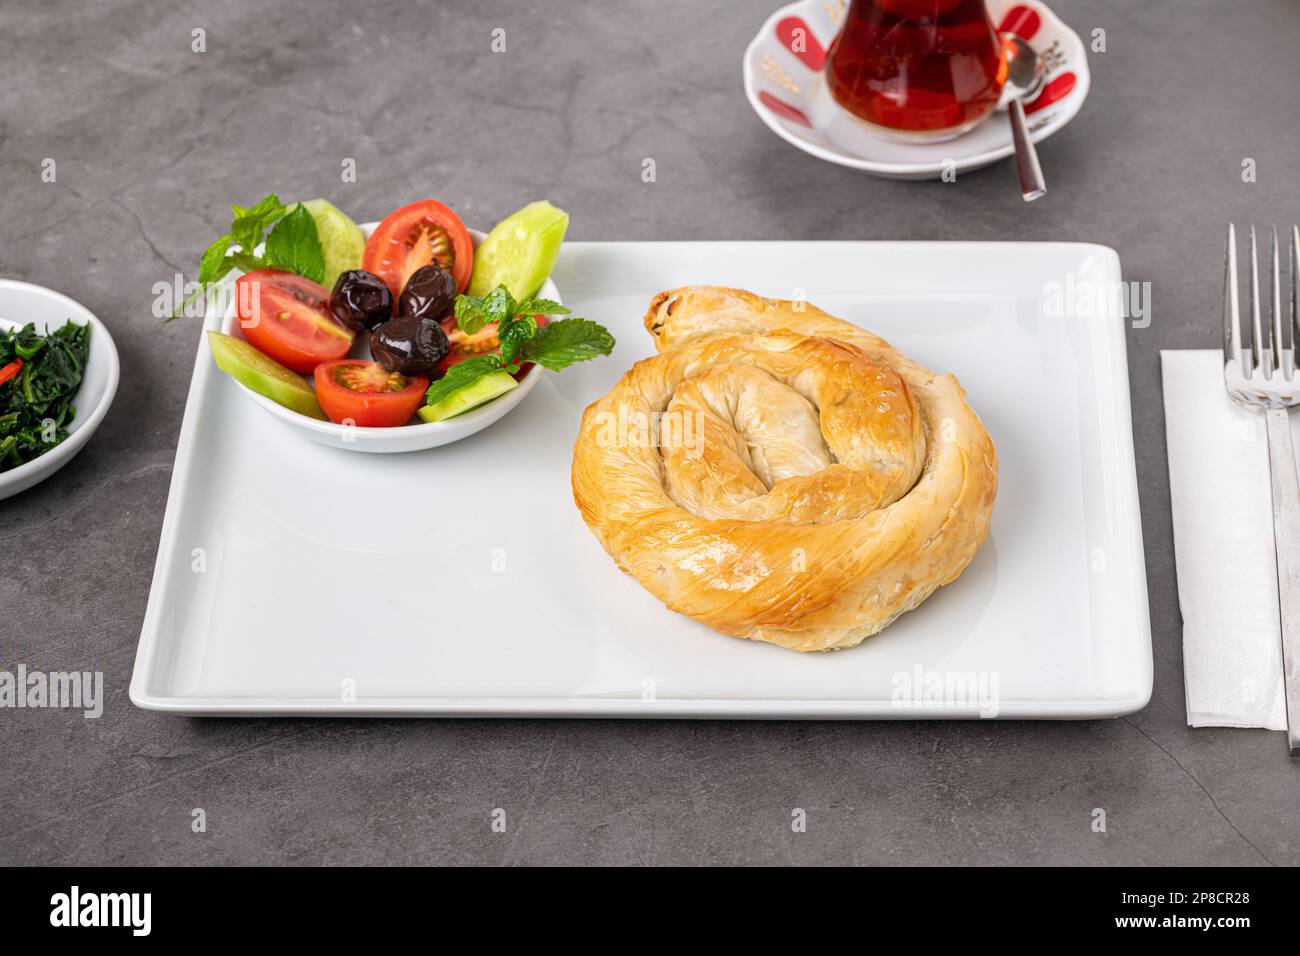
[(287, 317), (480, 343), (364, 394), (414, 236)]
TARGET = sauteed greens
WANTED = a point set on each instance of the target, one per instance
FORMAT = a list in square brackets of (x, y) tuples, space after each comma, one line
[(39, 374)]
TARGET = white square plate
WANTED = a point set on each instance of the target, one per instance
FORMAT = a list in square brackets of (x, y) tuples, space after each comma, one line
[(294, 578)]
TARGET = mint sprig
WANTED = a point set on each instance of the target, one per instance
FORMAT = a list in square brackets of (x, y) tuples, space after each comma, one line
[(514, 335), (556, 345), (473, 312), (293, 245)]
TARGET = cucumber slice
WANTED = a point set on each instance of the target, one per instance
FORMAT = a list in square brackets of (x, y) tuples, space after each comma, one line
[(341, 239), (481, 390), (521, 251), (264, 375)]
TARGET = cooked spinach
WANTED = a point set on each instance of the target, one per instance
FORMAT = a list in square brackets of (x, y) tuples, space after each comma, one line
[(36, 398)]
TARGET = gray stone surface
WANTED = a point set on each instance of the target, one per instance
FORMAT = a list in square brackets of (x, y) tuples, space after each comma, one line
[(152, 140)]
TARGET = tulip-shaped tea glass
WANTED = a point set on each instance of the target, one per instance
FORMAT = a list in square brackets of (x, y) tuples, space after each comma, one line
[(917, 70)]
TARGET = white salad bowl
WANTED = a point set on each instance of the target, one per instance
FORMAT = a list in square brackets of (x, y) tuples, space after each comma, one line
[(22, 303), (410, 437)]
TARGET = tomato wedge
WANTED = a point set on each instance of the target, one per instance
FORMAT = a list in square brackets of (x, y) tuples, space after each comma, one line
[(288, 318), (480, 343), (465, 346), (415, 236), (363, 394)]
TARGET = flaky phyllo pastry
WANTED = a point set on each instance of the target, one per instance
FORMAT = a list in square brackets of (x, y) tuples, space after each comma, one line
[(781, 475)]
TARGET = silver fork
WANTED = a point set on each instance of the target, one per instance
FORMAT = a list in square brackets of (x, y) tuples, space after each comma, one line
[(1265, 378)]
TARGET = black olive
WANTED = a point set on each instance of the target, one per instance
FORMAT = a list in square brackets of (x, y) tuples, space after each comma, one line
[(361, 300), (430, 292), (410, 344)]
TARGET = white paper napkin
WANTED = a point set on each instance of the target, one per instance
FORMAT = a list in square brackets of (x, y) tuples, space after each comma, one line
[(1223, 547)]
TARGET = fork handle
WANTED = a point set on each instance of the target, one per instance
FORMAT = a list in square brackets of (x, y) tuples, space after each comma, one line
[(1286, 541)]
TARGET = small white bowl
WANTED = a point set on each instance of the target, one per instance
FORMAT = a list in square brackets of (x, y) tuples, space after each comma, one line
[(21, 303), (416, 437)]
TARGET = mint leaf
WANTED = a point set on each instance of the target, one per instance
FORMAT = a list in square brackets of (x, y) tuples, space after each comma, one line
[(247, 263), (249, 224), (513, 334), (560, 344), (472, 312), (215, 264), (213, 268), (294, 245), (461, 374), (470, 316), (267, 204), (540, 307), (499, 305)]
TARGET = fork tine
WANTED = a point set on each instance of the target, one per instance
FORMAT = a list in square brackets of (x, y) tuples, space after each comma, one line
[(1231, 311), (1257, 339), (1275, 303)]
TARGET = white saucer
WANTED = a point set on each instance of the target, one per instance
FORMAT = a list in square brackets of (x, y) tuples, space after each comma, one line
[(787, 90)]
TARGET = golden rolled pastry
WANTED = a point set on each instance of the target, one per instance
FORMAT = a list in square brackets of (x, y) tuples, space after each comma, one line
[(781, 475)]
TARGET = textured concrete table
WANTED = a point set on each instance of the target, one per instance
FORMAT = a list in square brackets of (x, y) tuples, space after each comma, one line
[(151, 140)]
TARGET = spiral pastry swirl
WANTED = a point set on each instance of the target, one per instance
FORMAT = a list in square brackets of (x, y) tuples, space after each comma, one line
[(781, 475)]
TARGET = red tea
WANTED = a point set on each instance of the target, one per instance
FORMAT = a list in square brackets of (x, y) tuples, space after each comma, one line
[(923, 66)]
